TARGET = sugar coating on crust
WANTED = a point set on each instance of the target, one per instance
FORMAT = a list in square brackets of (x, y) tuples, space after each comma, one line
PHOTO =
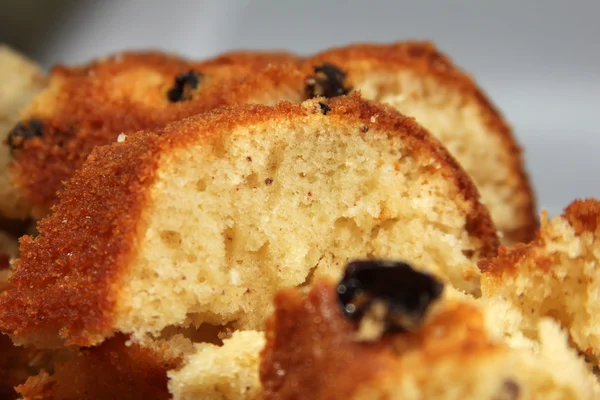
[(21, 79), (121, 253), (88, 106), (312, 353), (420, 81), (555, 276)]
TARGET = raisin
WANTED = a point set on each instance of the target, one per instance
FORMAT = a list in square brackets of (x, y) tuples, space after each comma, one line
[(184, 85), (22, 132), (327, 81), (325, 108), (510, 390), (405, 292), (268, 181)]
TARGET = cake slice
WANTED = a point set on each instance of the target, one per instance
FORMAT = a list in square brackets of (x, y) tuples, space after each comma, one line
[(20, 80), (557, 276), (204, 220), (314, 349), (90, 105)]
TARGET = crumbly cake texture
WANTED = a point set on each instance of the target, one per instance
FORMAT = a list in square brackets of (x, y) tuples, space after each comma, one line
[(420, 81), (312, 353), (115, 369), (229, 371), (267, 197), (21, 79), (90, 105), (557, 275)]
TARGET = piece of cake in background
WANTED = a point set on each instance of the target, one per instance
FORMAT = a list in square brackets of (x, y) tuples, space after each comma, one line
[(313, 351), (20, 80), (266, 197), (90, 105), (556, 276)]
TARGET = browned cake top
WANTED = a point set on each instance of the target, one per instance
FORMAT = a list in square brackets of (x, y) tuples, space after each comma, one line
[(312, 351), (87, 106), (425, 59), (67, 278), (111, 370), (582, 215)]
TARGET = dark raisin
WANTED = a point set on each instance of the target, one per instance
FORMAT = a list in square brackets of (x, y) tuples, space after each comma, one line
[(325, 108), (184, 85), (405, 292), (365, 129), (510, 390), (268, 181), (24, 131), (249, 159), (327, 81)]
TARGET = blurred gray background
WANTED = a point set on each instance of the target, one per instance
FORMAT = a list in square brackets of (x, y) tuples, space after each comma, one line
[(538, 60)]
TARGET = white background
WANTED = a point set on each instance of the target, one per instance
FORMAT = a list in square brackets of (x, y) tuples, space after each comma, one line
[(538, 60)]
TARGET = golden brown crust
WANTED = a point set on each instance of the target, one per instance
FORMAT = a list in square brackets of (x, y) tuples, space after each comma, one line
[(67, 278), (88, 106), (312, 353), (112, 370), (426, 59), (507, 258), (582, 215)]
